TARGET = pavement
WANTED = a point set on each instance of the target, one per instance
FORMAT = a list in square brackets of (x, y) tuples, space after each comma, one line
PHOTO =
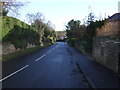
[(98, 75)]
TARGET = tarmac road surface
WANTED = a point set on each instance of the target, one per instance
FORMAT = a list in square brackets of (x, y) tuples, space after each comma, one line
[(51, 67)]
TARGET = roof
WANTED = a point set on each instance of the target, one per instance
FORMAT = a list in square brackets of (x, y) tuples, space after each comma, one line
[(114, 17)]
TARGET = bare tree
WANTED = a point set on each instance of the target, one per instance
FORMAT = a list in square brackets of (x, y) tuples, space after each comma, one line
[(37, 20), (33, 17), (12, 5), (44, 29)]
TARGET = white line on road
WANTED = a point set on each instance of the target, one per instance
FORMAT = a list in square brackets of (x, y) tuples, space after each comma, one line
[(13, 73), (25, 66), (49, 51), (56, 46), (41, 57), (45, 54)]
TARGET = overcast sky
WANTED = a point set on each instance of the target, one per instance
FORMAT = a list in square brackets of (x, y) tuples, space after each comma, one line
[(59, 12)]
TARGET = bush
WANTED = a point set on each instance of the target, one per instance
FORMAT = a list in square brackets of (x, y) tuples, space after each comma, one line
[(21, 44), (72, 41), (20, 37)]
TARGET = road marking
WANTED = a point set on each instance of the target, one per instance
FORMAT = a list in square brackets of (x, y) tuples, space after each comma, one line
[(45, 54), (41, 57), (56, 46), (48, 51), (13, 73), (25, 66)]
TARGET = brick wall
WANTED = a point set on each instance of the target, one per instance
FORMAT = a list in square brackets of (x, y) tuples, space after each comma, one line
[(109, 29)]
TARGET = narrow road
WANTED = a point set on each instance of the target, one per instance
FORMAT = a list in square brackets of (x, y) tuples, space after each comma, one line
[(51, 67)]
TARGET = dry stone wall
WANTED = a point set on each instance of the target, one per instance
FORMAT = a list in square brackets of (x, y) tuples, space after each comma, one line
[(106, 51), (9, 48)]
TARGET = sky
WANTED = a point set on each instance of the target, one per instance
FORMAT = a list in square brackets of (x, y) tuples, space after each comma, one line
[(60, 12)]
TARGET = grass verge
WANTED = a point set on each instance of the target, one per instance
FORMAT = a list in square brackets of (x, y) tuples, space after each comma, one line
[(21, 53)]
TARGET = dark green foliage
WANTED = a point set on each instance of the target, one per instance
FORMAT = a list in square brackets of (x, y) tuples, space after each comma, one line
[(81, 34), (90, 32), (73, 31), (46, 32), (72, 41), (20, 37), (21, 44), (21, 34), (8, 24), (69, 33), (72, 24), (93, 26)]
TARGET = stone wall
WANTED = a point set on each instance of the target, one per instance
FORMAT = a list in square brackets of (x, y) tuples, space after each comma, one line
[(106, 51), (9, 48)]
